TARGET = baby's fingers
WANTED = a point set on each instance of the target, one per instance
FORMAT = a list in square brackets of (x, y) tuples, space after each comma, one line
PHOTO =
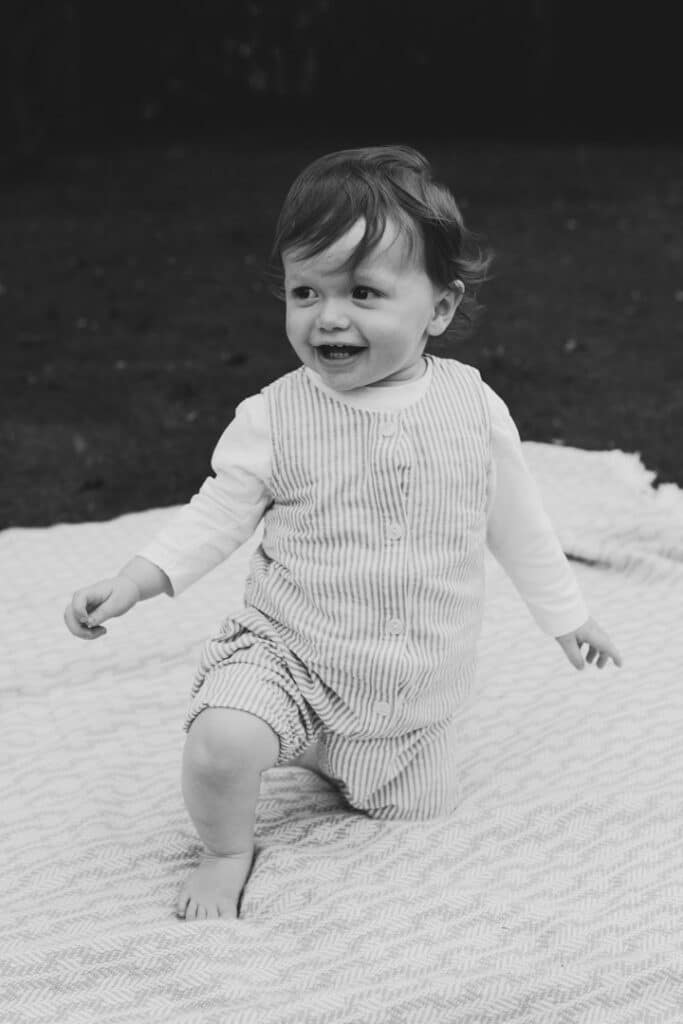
[(88, 600), (91, 632), (79, 628), (78, 615), (609, 651), (603, 655)]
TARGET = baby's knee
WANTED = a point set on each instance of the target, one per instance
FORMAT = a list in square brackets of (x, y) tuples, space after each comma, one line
[(230, 743)]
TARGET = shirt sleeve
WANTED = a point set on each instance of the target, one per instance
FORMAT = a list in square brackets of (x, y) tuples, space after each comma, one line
[(228, 507), (521, 536)]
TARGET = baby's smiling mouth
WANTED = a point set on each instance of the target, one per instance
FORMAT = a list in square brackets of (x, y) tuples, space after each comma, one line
[(339, 351)]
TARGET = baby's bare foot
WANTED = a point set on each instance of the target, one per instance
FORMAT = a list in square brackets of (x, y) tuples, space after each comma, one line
[(214, 887)]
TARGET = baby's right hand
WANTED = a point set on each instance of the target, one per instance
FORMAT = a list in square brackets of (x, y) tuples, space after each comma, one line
[(93, 605)]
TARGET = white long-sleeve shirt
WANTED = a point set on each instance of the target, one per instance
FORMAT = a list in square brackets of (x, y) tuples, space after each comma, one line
[(229, 506)]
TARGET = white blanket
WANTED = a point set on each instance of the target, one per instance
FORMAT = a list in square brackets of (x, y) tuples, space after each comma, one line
[(553, 894)]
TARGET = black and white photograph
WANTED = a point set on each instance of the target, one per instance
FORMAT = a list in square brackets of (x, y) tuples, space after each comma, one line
[(341, 513)]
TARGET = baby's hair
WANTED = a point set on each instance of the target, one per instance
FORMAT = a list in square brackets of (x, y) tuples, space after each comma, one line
[(381, 183)]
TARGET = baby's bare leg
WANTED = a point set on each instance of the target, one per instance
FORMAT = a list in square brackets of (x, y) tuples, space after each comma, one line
[(225, 752)]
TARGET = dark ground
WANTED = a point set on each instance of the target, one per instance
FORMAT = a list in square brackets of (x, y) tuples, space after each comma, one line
[(134, 317)]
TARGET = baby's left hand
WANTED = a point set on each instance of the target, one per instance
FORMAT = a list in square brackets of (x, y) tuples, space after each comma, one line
[(599, 644)]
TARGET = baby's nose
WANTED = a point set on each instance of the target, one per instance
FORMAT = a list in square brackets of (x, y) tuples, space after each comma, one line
[(332, 316)]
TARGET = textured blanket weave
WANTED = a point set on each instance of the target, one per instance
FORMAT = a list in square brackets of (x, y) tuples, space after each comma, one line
[(553, 895)]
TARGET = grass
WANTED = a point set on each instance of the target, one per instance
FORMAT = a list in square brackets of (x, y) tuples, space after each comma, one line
[(134, 317)]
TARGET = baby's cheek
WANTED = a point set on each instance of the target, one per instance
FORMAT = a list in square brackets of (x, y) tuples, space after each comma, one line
[(295, 324), (290, 326)]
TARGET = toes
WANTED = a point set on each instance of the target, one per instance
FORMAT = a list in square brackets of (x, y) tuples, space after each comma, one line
[(189, 909), (182, 904)]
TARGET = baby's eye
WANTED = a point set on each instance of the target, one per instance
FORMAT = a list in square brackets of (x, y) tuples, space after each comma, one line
[(364, 293), (303, 292)]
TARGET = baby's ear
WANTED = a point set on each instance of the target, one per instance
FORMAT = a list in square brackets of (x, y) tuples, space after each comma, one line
[(446, 306)]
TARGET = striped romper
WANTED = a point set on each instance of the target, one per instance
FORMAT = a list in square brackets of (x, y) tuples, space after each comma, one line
[(364, 600)]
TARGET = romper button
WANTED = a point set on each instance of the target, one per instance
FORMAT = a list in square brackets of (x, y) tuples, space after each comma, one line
[(395, 530), (382, 707), (395, 627), (388, 428)]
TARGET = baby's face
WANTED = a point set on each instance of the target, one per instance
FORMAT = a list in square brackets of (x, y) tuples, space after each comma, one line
[(381, 314)]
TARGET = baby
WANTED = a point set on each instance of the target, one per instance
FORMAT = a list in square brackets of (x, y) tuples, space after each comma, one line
[(380, 473)]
